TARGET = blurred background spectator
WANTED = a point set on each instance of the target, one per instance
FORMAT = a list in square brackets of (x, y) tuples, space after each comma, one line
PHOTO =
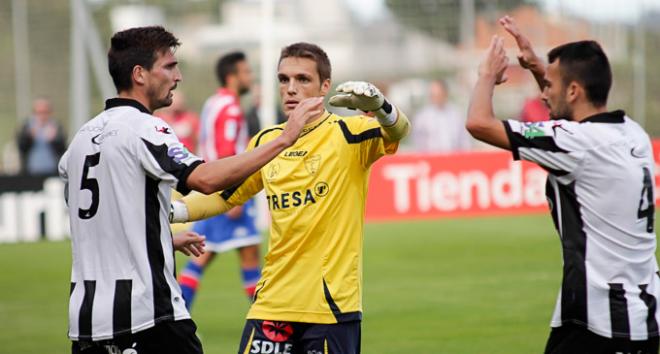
[(534, 110), (41, 140), (252, 117), (184, 121), (439, 126)]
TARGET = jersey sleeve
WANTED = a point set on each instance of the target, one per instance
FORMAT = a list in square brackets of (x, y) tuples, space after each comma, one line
[(163, 156), (367, 134), (557, 146)]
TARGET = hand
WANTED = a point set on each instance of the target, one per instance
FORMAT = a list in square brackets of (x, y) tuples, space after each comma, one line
[(235, 212), (307, 110), (189, 243), (527, 58), (495, 63), (358, 95)]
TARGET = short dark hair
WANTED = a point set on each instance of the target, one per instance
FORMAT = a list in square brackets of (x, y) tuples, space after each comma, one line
[(586, 63), (136, 46), (309, 51), (226, 66)]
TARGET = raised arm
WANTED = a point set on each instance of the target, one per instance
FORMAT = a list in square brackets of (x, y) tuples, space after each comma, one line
[(481, 121), (526, 57), (366, 97), (224, 173)]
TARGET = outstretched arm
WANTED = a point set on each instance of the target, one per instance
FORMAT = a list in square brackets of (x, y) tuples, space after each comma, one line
[(481, 121), (526, 57), (224, 173)]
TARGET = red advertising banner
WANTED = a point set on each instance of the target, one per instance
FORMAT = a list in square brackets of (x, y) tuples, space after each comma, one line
[(423, 186)]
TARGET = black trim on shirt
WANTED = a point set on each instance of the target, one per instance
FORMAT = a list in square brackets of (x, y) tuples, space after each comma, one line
[(179, 170), (651, 304), (121, 307), (339, 316), (358, 138), (263, 132), (118, 102), (619, 318), (606, 117), (162, 294), (309, 130), (85, 314), (574, 246), (546, 143), (512, 140)]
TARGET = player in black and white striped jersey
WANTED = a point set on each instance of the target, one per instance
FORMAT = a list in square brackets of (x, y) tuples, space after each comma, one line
[(119, 170), (600, 190)]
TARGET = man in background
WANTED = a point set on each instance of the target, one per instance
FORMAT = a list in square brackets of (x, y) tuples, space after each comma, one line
[(223, 134), (41, 140), (183, 121), (439, 126)]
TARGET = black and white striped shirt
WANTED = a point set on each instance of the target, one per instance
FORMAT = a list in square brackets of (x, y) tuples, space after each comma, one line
[(601, 193), (119, 171)]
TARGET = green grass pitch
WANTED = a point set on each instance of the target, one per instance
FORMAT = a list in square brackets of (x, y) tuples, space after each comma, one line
[(450, 286)]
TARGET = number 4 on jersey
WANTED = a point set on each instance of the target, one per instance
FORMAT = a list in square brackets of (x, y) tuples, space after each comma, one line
[(647, 193)]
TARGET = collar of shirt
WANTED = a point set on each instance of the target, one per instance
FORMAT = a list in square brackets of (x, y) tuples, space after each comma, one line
[(606, 117), (117, 102)]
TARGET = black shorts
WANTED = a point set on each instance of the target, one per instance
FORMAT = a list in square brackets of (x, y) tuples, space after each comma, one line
[(176, 337), (574, 339), (276, 337)]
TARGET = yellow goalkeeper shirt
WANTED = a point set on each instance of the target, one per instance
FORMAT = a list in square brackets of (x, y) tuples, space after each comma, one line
[(316, 192)]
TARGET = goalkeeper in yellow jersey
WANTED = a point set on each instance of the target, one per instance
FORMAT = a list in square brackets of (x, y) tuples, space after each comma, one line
[(309, 297)]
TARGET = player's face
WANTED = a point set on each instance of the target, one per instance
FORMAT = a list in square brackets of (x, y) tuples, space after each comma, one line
[(161, 80), (299, 79), (554, 93), (244, 77)]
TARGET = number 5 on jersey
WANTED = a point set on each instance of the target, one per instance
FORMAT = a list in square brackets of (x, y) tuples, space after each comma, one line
[(90, 184)]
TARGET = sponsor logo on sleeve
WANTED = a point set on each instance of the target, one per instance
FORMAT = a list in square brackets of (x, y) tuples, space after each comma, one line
[(533, 130), (178, 153)]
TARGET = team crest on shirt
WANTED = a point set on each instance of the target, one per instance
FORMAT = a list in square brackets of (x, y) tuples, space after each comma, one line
[(312, 163), (273, 171)]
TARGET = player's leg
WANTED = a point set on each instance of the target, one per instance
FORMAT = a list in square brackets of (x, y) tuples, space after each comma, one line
[(345, 338), (250, 262), (261, 336), (191, 275)]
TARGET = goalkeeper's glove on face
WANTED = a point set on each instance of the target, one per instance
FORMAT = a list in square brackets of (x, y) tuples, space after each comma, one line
[(365, 97)]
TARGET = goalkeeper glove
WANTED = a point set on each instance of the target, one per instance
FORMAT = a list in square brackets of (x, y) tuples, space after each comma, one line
[(365, 97)]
